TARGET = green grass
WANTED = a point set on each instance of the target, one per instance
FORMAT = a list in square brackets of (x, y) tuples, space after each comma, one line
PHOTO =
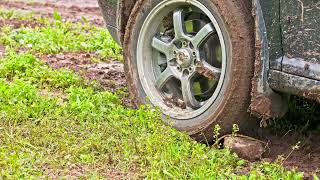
[(56, 36), (29, 69), (90, 128), (53, 120), (17, 15)]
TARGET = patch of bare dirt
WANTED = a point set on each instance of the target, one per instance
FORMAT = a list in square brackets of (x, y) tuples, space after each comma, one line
[(291, 150), (73, 61), (77, 171), (300, 151), (115, 174), (71, 10), (70, 3), (109, 74), (15, 24)]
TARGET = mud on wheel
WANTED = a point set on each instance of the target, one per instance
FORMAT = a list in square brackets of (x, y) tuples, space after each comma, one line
[(192, 59)]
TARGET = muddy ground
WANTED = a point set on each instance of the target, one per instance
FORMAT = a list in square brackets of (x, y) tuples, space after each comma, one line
[(110, 74)]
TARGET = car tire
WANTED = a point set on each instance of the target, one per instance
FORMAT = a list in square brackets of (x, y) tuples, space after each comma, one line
[(234, 21)]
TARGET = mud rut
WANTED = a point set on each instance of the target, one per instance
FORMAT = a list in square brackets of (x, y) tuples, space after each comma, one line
[(111, 75)]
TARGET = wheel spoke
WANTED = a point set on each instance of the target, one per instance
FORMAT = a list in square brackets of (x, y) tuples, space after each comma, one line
[(203, 35), (208, 70), (165, 76), (178, 23), (162, 61), (161, 46), (187, 93), (214, 70)]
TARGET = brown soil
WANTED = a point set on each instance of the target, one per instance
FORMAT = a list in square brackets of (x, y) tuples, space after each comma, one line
[(76, 171), (111, 75), (73, 10), (306, 158), (15, 24)]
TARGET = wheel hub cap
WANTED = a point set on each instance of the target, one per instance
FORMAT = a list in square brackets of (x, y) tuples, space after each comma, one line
[(184, 58)]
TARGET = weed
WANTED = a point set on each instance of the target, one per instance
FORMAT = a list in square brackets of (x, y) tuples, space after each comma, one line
[(14, 14), (216, 132), (294, 148), (273, 170), (235, 130)]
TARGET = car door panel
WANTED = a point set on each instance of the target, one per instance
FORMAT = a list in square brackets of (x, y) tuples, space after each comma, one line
[(300, 27)]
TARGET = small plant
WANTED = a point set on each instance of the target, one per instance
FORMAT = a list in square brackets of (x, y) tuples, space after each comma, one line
[(6, 14), (216, 132), (216, 135), (235, 130), (14, 14), (57, 16), (293, 148)]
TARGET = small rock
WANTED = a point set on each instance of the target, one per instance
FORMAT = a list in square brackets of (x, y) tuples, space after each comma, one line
[(65, 62), (87, 55), (245, 147), (60, 57), (106, 67), (73, 59)]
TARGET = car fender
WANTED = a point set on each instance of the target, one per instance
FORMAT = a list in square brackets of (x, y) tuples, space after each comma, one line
[(116, 13), (265, 103)]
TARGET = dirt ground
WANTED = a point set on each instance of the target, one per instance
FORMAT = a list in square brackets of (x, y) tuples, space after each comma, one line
[(72, 10), (111, 75), (306, 158)]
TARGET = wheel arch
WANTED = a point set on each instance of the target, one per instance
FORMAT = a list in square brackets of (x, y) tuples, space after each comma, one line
[(265, 103), (116, 14), (125, 9)]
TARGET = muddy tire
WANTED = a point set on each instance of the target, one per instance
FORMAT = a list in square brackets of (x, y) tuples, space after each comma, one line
[(214, 56)]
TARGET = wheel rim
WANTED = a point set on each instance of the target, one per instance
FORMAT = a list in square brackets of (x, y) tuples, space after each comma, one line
[(181, 58)]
